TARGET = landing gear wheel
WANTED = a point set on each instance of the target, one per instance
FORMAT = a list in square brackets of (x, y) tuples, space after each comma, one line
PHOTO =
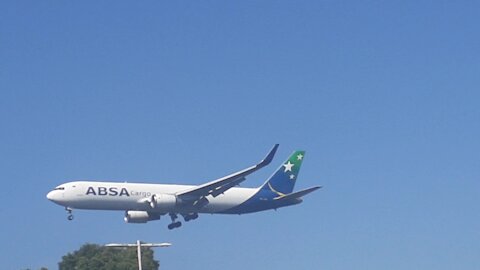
[(174, 224), (70, 217), (190, 216)]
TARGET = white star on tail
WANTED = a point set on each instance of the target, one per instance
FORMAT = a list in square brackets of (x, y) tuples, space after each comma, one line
[(299, 157), (288, 166), (292, 176)]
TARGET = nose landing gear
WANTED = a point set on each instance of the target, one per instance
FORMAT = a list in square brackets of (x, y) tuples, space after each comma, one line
[(69, 211)]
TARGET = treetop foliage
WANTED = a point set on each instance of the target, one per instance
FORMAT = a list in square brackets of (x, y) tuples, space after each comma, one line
[(95, 257)]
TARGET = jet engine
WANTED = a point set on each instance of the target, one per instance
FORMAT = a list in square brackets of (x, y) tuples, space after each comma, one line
[(163, 202), (140, 216)]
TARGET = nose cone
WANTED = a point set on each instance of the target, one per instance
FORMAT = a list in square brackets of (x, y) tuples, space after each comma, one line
[(50, 196), (55, 196)]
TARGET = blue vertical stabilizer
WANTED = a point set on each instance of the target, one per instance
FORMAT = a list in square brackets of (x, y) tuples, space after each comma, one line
[(283, 180)]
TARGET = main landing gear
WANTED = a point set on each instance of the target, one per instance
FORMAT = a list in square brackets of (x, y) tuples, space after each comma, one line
[(69, 211), (174, 224), (191, 216), (186, 217)]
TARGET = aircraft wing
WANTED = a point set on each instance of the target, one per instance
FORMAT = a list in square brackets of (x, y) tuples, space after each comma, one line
[(223, 184)]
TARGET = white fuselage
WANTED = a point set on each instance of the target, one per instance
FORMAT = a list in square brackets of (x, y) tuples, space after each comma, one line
[(134, 196)]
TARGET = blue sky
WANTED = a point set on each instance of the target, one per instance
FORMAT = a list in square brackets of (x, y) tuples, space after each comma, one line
[(383, 96)]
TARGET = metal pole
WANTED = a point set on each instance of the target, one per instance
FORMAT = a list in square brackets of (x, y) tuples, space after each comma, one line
[(139, 253), (139, 245)]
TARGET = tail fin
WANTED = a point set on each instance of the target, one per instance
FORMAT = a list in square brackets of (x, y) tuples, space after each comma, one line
[(283, 180)]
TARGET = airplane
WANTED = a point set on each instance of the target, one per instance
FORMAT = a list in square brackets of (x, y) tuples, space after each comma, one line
[(143, 202)]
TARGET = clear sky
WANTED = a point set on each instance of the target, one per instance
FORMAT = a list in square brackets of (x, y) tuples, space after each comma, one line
[(383, 95)]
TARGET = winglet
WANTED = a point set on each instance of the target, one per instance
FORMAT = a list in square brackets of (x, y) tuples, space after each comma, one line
[(269, 157)]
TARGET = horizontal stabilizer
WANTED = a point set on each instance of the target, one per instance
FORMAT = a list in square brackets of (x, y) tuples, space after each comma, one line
[(297, 194)]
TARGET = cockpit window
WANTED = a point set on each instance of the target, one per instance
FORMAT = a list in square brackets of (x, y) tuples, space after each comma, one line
[(59, 188)]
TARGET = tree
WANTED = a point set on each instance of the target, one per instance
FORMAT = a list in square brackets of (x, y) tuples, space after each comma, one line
[(95, 257)]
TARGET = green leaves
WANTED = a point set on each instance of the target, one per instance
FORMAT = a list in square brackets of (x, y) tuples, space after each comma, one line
[(95, 257)]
